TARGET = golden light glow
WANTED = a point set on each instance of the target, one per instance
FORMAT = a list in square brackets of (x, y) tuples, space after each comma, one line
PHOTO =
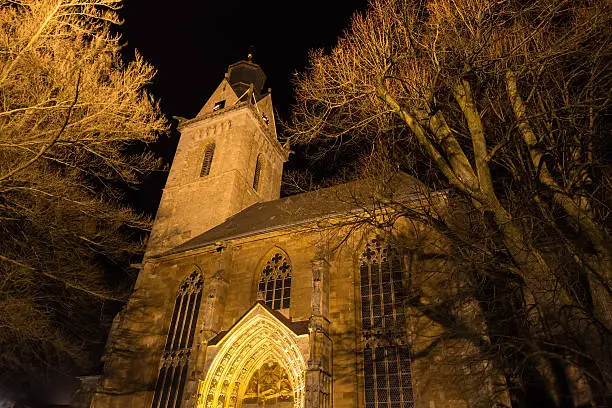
[(258, 338), (269, 385)]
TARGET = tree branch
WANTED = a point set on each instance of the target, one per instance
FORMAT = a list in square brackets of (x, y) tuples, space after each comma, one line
[(52, 141), (65, 283)]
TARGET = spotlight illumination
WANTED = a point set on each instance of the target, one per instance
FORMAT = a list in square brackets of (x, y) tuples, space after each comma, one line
[(258, 339)]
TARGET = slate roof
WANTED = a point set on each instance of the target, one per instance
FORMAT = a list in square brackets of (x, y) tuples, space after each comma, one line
[(304, 208)]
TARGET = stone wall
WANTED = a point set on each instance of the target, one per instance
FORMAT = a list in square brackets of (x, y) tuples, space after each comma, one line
[(438, 379), (191, 204)]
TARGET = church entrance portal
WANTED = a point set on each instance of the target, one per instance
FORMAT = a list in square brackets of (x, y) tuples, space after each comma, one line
[(257, 364)]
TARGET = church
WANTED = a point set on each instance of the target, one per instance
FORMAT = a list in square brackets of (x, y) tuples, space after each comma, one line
[(245, 299)]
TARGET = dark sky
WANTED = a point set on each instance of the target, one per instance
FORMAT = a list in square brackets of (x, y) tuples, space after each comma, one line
[(192, 42)]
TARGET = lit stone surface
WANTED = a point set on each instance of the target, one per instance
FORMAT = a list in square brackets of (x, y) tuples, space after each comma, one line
[(192, 204), (205, 226)]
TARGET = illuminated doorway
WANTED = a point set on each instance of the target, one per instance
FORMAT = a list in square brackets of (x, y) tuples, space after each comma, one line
[(259, 360)]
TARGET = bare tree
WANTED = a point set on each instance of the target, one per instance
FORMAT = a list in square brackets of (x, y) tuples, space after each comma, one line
[(506, 102), (73, 113)]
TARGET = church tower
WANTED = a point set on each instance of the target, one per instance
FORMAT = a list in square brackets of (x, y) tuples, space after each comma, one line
[(227, 159)]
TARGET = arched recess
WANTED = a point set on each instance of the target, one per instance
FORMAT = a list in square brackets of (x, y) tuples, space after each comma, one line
[(173, 369), (273, 279), (209, 152), (386, 356), (246, 347)]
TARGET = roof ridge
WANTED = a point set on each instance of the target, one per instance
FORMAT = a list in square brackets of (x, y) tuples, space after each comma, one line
[(298, 209)]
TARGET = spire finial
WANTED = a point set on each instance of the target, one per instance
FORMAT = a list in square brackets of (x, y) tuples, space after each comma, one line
[(251, 52)]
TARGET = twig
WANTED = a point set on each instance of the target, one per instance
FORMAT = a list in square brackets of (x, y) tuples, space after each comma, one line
[(52, 141), (67, 284)]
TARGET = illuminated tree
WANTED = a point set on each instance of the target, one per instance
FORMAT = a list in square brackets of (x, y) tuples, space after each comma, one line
[(73, 113), (505, 104)]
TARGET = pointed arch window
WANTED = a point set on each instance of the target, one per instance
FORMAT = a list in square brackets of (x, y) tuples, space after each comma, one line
[(209, 151), (386, 355), (173, 371), (257, 175), (275, 282)]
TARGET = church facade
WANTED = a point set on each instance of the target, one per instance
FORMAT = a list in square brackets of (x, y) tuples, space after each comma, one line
[(245, 299)]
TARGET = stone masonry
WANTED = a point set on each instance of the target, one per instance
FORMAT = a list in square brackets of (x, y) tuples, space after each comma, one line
[(213, 238)]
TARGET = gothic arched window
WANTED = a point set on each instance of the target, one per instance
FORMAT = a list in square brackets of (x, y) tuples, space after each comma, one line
[(173, 370), (275, 282), (386, 355), (208, 157), (256, 177)]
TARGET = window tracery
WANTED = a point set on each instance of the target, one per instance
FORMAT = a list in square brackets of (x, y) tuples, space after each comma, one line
[(386, 355), (275, 282), (173, 371)]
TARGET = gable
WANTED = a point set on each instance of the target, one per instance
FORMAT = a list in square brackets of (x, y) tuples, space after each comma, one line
[(264, 106), (260, 311), (224, 92), (257, 337), (336, 201)]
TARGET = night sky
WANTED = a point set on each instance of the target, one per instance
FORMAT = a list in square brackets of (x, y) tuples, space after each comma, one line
[(191, 43)]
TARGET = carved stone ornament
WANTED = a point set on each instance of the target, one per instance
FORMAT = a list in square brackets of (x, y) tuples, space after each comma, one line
[(258, 339)]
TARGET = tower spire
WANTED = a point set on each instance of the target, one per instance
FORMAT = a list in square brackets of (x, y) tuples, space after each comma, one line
[(227, 159), (251, 53), (244, 74)]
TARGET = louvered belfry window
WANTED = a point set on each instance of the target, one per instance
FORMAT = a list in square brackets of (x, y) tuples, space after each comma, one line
[(275, 283), (208, 158), (257, 175), (173, 370), (386, 352)]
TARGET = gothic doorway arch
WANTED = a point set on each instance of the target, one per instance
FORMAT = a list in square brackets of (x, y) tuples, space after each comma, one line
[(257, 339)]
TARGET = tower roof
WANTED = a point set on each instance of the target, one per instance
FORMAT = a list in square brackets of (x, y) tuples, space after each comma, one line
[(242, 74)]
